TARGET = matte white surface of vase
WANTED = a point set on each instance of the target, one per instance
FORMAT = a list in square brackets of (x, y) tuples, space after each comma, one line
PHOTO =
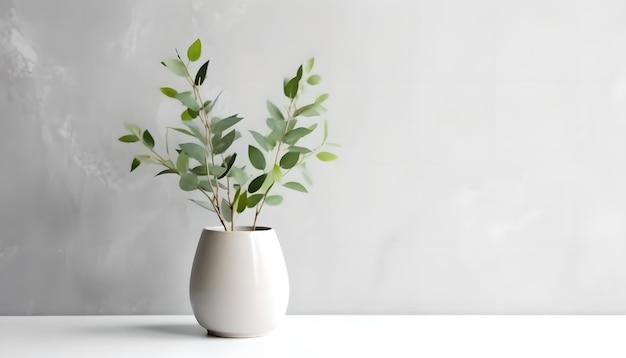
[(239, 285)]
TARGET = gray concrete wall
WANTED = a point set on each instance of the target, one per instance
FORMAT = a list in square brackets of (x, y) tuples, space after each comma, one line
[(482, 166)]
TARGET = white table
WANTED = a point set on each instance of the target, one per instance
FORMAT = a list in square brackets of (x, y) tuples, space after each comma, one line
[(317, 336)]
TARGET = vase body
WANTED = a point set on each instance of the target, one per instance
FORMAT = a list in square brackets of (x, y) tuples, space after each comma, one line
[(239, 285)]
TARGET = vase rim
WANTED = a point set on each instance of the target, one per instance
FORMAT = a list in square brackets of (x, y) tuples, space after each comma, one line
[(244, 228)]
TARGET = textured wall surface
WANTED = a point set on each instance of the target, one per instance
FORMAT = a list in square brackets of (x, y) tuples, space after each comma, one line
[(483, 159)]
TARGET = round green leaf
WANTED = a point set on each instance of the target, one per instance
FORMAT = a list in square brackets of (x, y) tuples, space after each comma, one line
[(257, 159), (274, 200), (188, 182), (194, 51), (326, 156), (315, 79), (170, 92), (289, 160), (182, 163), (308, 65), (129, 138)]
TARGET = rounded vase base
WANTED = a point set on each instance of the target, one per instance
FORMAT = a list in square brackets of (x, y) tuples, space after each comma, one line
[(235, 335)]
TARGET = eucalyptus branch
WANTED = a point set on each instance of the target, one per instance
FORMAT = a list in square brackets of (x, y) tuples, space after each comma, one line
[(212, 144)]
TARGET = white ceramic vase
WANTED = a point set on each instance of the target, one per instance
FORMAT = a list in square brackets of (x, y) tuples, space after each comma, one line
[(239, 285)]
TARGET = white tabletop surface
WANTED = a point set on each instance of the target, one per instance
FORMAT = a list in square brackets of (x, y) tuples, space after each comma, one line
[(318, 336)]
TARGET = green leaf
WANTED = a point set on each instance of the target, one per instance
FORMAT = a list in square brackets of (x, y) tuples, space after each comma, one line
[(277, 174), (228, 164), (176, 66), (256, 183), (205, 204), (197, 132), (188, 182), (227, 212), (295, 186), (274, 200), (239, 174), (188, 115), (199, 170), (182, 163), (194, 51), (134, 164), (169, 164), (222, 144), (133, 128), (187, 99), (326, 156), (301, 150), (310, 110), (146, 159), (289, 160), (260, 139), (166, 171), (313, 80), (201, 75), (321, 98), (325, 131), (129, 138), (276, 125), (217, 171), (170, 92), (253, 200), (257, 159), (195, 151), (294, 135), (224, 124), (147, 139), (291, 87), (204, 184), (274, 111), (182, 130), (308, 65), (242, 203)]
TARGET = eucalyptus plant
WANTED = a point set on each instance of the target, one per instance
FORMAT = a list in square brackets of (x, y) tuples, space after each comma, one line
[(207, 162)]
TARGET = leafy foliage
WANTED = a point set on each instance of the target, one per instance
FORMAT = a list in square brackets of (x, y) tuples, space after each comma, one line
[(205, 161)]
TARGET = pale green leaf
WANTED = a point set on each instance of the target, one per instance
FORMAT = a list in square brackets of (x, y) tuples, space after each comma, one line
[(274, 200), (308, 65), (182, 163), (294, 135), (277, 174), (195, 151), (274, 111), (326, 156), (133, 128), (187, 99), (188, 182), (176, 66), (205, 204), (223, 124), (220, 145), (227, 212), (199, 170), (295, 186), (261, 140), (315, 79)]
